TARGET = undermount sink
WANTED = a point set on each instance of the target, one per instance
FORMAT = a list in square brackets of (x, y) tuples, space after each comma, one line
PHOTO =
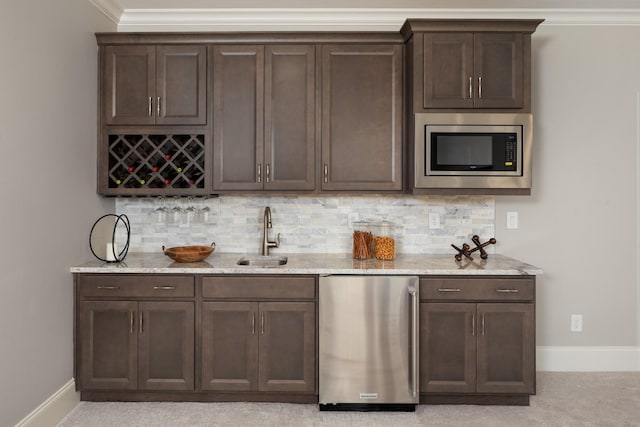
[(262, 261)]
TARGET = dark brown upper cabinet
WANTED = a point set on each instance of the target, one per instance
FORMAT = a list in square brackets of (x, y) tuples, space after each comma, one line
[(464, 65), (264, 117), (154, 85), (466, 70), (362, 117)]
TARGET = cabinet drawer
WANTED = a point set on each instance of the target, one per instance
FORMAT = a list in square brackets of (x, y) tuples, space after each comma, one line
[(477, 288), (259, 287), (131, 285)]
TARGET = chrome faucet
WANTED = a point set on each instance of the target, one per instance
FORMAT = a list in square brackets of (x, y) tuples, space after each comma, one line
[(266, 243)]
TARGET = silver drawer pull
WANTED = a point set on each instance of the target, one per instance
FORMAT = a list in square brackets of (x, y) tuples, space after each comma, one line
[(507, 291), (164, 288), (108, 287), (448, 289)]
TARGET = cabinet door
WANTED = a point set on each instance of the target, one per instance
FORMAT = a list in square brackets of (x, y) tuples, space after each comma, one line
[(448, 70), (230, 346), (499, 70), (506, 348), (447, 347), (166, 345), (109, 345), (289, 117), (362, 117), (129, 85), (238, 104), (287, 346), (181, 85)]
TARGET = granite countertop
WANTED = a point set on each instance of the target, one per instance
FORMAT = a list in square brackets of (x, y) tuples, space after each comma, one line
[(306, 263)]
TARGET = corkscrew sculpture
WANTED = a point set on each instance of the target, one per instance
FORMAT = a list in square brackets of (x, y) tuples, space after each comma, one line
[(467, 251)]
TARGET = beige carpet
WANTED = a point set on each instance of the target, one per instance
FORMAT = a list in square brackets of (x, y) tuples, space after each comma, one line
[(563, 399)]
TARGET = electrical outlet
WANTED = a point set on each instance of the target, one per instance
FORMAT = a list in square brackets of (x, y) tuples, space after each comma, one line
[(434, 220), (512, 220), (576, 323)]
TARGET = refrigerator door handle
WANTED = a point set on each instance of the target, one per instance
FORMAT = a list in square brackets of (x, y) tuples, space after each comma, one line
[(414, 339)]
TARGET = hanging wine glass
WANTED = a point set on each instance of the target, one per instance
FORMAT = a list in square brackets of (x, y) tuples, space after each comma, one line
[(175, 212), (159, 213), (190, 211), (204, 211)]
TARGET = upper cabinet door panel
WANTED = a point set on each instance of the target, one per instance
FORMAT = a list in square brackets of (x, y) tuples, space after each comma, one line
[(362, 117), (129, 84), (448, 70), (289, 117), (238, 91), (146, 85), (470, 70), (499, 70), (181, 85)]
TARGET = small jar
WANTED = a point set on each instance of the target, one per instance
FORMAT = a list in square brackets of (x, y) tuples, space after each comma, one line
[(384, 241), (362, 240)]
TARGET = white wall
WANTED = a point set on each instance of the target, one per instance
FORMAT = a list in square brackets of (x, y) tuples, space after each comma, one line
[(47, 165), (581, 223)]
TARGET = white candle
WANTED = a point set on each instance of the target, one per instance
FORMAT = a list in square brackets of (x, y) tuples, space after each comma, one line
[(112, 248)]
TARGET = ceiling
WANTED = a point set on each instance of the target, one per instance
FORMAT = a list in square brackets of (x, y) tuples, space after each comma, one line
[(356, 15)]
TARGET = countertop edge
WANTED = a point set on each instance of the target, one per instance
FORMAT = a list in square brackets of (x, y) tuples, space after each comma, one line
[(316, 264)]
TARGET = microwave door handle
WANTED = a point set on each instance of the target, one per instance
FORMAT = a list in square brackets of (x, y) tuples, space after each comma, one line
[(482, 167)]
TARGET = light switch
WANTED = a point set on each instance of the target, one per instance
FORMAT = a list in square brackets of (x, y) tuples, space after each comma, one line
[(512, 220)]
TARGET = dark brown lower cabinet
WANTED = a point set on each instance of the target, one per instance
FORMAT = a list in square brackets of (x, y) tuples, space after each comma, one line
[(131, 345), (474, 351), (258, 346)]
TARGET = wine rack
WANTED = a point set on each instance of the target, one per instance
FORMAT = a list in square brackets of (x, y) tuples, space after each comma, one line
[(156, 162)]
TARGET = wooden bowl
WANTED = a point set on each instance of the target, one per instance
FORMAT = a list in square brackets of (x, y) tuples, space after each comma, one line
[(189, 253)]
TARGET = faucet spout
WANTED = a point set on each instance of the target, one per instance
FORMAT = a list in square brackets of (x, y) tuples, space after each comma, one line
[(266, 225)]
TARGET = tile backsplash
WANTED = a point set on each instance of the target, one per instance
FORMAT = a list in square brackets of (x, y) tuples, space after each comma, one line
[(307, 224)]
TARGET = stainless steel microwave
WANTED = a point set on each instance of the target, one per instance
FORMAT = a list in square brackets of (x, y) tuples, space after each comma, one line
[(473, 150)]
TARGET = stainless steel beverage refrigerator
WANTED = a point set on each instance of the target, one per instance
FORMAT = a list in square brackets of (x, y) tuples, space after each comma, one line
[(368, 343)]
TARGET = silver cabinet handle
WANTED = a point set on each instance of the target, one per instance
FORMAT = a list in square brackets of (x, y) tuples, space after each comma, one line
[(267, 172), (158, 106), (470, 87), (108, 287), (140, 330), (507, 291), (259, 172), (262, 323), (150, 109), (483, 325), (253, 323), (448, 289), (131, 322), (473, 324), (326, 173), (414, 339), (164, 288), (479, 87)]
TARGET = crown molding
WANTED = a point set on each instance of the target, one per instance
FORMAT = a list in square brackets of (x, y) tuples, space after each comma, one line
[(341, 19), (110, 9)]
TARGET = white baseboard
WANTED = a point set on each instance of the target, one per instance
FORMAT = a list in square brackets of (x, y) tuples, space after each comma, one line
[(588, 359), (54, 409)]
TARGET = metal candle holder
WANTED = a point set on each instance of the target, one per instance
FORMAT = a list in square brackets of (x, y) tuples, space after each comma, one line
[(467, 251)]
